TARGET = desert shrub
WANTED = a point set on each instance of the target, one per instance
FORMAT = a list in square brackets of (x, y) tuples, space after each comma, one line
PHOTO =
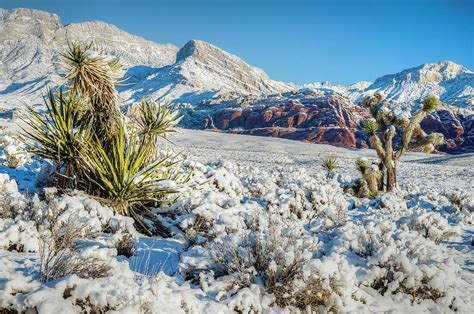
[(125, 245), (199, 231), (60, 251), (461, 199), (412, 265), (278, 257), (433, 226), (370, 238), (393, 272)]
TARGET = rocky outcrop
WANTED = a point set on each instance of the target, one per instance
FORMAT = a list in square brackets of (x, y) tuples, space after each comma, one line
[(309, 115), (318, 116)]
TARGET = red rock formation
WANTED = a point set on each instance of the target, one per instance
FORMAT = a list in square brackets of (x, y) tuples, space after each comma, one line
[(323, 117)]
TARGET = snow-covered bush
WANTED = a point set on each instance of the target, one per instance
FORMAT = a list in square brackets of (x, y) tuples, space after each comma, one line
[(461, 199), (370, 238), (433, 226), (276, 254), (398, 271)]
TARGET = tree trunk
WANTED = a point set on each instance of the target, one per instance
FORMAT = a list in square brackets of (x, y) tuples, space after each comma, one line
[(391, 178)]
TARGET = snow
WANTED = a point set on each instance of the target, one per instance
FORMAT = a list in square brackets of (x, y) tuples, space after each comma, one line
[(382, 252)]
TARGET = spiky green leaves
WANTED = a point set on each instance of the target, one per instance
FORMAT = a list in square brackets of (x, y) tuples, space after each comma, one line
[(370, 127), (122, 174), (60, 135), (430, 104), (330, 164), (157, 119), (362, 165)]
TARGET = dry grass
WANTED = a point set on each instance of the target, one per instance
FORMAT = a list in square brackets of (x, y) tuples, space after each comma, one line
[(198, 233), (126, 245), (59, 250)]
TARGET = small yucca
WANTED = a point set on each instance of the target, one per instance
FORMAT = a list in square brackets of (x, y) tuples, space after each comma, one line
[(370, 127), (430, 104), (330, 164), (362, 165)]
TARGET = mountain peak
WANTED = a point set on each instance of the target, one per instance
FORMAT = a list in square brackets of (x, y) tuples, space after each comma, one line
[(24, 15), (196, 48)]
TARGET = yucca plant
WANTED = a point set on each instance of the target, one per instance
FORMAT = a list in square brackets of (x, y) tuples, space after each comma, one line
[(92, 75), (330, 165), (156, 120), (121, 175), (84, 134), (60, 134)]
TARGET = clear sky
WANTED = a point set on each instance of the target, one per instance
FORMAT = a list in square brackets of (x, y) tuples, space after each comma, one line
[(340, 41)]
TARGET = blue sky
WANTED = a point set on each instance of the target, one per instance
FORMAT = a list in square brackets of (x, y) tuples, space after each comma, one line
[(341, 41)]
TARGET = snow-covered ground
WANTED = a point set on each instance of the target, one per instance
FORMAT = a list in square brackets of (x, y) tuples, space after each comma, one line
[(254, 209), (428, 171)]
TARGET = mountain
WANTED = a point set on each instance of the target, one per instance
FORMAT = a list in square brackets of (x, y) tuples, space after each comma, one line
[(201, 71), (30, 42), (217, 90), (451, 82)]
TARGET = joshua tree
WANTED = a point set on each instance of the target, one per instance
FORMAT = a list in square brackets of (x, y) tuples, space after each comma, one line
[(382, 128)]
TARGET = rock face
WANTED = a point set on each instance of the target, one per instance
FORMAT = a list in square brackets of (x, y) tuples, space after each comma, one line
[(317, 116), (308, 115)]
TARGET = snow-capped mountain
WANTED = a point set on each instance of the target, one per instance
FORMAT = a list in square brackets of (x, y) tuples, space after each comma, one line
[(451, 82), (201, 71), (30, 42)]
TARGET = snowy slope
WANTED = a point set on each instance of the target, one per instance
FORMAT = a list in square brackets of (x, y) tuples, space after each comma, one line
[(201, 71), (30, 41)]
